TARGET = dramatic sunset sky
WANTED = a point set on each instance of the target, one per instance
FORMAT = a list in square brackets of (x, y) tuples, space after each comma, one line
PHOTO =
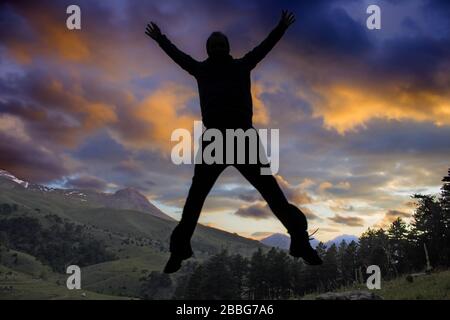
[(364, 115)]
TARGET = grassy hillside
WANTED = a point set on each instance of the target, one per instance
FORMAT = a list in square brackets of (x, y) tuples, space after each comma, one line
[(123, 222), (138, 241), (24, 277), (16, 285), (430, 287), (435, 286)]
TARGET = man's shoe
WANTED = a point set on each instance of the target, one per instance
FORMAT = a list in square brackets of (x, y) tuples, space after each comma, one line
[(301, 248), (173, 265)]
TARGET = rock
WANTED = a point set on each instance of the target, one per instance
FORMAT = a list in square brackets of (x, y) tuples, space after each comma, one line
[(349, 295)]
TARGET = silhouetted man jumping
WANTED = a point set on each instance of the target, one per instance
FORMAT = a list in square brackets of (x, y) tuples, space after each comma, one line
[(226, 103)]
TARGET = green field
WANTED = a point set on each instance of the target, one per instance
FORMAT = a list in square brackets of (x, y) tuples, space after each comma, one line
[(138, 240), (27, 278), (435, 286)]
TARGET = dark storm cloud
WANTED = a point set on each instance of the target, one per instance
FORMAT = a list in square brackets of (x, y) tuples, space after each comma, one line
[(261, 234), (13, 25), (330, 32), (130, 167), (397, 214), (57, 107), (249, 196), (86, 182), (256, 211), (309, 214), (260, 211), (349, 221), (415, 60), (100, 147), (398, 137), (370, 158), (29, 161)]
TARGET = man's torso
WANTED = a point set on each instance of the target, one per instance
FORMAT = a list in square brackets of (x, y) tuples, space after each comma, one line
[(225, 94)]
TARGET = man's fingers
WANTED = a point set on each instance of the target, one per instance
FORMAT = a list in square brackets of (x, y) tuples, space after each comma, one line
[(287, 17), (152, 30), (151, 33), (155, 26), (290, 19)]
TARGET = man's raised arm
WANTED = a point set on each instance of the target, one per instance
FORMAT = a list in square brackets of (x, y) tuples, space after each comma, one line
[(252, 58), (184, 60)]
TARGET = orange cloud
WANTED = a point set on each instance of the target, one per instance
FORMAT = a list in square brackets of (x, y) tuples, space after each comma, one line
[(390, 216), (52, 38), (84, 115), (345, 108), (46, 36), (294, 193), (67, 43), (152, 121), (260, 113)]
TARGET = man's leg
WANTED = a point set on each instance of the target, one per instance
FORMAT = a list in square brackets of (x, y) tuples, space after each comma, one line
[(204, 178), (290, 216)]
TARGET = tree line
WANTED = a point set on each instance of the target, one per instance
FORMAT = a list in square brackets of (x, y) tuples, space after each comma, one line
[(54, 241), (401, 248)]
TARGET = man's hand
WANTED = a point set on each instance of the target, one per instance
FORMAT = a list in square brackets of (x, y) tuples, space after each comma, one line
[(287, 18), (153, 31)]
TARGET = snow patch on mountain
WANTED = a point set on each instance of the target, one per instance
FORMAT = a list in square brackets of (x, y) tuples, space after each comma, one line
[(9, 176)]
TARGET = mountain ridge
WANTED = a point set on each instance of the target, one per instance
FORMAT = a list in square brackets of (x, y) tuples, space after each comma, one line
[(127, 198)]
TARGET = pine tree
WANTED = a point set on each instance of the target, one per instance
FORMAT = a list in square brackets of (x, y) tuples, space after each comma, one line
[(429, 228), (257, 283), (351, 262), (194, 283), (218, 281), (445, 192), (314, 277), (239, 269), (374, 250), (330, 265), (399, 245), (345, 273), (278, 274), (445, 205), (299, 287), (155, 285)]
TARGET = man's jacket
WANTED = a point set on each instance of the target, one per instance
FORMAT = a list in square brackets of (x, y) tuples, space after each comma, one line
[(224, 82)]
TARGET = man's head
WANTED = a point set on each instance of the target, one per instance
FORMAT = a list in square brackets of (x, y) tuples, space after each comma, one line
[(217, 45)]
